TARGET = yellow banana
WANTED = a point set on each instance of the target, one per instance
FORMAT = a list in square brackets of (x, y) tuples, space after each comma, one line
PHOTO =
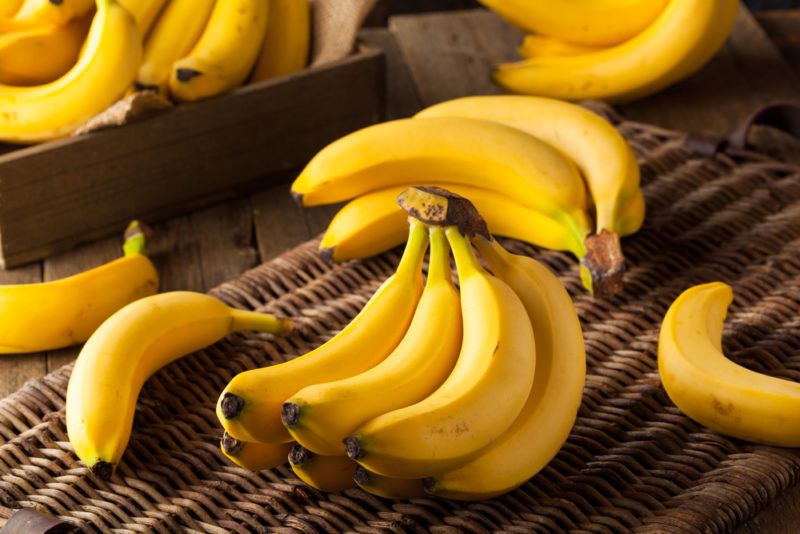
[(104, 71), (250, 406), (144, 11), (130, 346), (38, 317), (286, 43), (585, 22), (58, 12), (320, 416), (549, 413), (42, 54), (326, 473), (388, 487), (713, 390), (460, 151), (680, 41), (254, 456), (600, 152), (480, 399), (534, 46), (8, 8), (175, 33), (225, 53)]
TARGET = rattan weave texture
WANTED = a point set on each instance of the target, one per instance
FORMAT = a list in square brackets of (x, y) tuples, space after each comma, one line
[(632, 463)]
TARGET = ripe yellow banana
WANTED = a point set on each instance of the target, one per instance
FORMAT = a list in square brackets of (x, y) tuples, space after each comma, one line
[(680, 41), (713, 390), (600, 152), (250, 406), (286, 43), (8, 8), (320, 416), (254, 456), (104, 71), (470, 152), (388, 487), (326, 473), (480, 399), (41, 54), (37, 317), (144, 11), (584, 22), (225, 53), (58, 12), (534, 46), (130, 346), (174, 35), (549, 413)]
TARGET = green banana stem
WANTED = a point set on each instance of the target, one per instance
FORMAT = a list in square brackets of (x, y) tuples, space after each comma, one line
[(135, 241), (259, 322)]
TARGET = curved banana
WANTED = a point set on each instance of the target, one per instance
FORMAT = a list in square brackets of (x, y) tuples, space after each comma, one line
[(38, 317), (326, 473), (59, 12), (104, 71), (286, 43), (144, 11), (549, 413), (250, 406), (603, 156), (534, 46), (130, 346), (225, 53), (320, 416), (388, 487), (8, 8), (41, 54), (175, 33), (254, 456), (584, 22), (680, 41), (480, 399), (460, 151), (713, 390)]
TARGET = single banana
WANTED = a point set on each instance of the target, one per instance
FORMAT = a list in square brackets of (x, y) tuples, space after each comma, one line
[(57, 12), (130, 346), (286, 43), (680, 41), (225, 53), (104, 71), (549, 413), (250, 406), (320, 416), (583, 22), (326, 473), (174, 35), (480, 399), (254, 456), (144, 11), (41, 54), (713, 390), (459, 151), (38, 317), (388, 487), (8, 8), (534, 46)]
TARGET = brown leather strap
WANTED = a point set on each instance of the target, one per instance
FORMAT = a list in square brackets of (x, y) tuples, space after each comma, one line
[(25, 521), (782, 115)]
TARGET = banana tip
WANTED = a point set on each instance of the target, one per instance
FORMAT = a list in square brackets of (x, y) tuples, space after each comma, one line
[(103, 470), (230, 444), (231, 405), (361, 475), (185, 75), (290, 413), (429, 484), (353, 448), (327, 254), (299, 455), (297, 197)]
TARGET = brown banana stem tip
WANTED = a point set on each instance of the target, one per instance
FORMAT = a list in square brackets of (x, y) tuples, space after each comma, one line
[(290, 413), (230, 444), (231, 405), (440, 207), (186, 75), (605, 262), (352, 447), (361, 475), (103, 470), (428, 484), (299, 455), (297, 197), (327, 254)]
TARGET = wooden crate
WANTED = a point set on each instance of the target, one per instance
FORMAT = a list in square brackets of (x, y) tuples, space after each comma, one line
[(56, 195)]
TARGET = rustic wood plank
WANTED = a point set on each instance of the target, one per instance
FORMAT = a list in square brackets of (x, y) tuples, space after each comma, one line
[(280, 223), (783, 27), (384, 9)]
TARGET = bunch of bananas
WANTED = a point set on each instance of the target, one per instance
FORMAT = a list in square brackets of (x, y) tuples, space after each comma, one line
[(62, 62), (540, 170), (615, 50), (464, 393)]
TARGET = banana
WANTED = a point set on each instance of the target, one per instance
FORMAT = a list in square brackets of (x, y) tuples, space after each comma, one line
[(713, 390), (225, 53), (448, 150), (388, 487), (286, 43), (250, 406), (254, 456), (104, 71), (38, 317), (479, 400), (175, 33), (57, 12), (534, 46), (326, 473), (8, 8), (680, 41), (144, 11), (130, 346), (583, 22), (549, 413), (320, 416), (41, 54)]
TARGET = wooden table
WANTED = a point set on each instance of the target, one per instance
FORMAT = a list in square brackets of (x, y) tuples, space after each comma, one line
[(433, 58)]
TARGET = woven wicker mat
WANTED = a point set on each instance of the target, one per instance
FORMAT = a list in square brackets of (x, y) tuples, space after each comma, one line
[(632, 462)]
